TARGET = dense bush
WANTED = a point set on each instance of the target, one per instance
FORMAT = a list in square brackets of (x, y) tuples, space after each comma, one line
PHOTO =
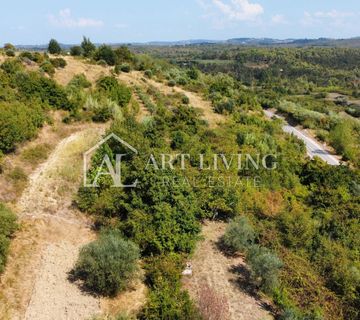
[(108, 264), (123, 54), (79, 81), (343, 137), (7, 228), (102, 114), (18, 123), (148, 74), (24, 99), (171, 83), (47, 90), (166, 298), (58, 62), (125, 67), (115, 91), (76, 51), (48, 68), (105, 53), (10, 53)]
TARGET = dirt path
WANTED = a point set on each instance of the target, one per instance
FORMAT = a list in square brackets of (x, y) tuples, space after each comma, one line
[(226, 275), (35, 284)]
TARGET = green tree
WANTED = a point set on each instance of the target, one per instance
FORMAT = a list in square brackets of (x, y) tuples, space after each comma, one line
[(88, 47), (105, 53), (54, 47), (123, 54)]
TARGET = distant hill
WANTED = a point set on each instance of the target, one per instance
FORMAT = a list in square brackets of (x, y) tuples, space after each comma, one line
[(257, 42)]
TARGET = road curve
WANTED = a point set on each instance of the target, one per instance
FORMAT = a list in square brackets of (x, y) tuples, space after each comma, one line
[(313, 148)]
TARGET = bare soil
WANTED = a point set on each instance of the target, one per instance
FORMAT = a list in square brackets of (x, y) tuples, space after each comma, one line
[(228, 276)]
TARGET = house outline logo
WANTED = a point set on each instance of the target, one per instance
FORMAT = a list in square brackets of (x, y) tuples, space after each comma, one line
[(115, 173)]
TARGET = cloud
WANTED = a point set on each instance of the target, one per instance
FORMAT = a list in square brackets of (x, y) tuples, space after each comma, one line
[(332, 17), (240, 10), (333, 14), (64, 19), (278, 19)]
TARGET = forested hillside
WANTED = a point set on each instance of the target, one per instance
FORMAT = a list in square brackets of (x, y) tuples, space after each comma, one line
[(297, 227)]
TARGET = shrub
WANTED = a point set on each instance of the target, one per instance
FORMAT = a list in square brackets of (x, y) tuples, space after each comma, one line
[(125, 67), (265, 267), (7, 228), (239, 235), (108, 264), (185, 99), (10, 53), (58, 62), (48, 67), (76, 51), (148, 74), (17, 124), (193, 74), (47, 90), (123, 54), (343, 139), (79, 81), (115, 91), (179, 138), (12, 66), (166, 299), (54, 47), (225, 105), (102, 114), (171, 83), (182, 81), (38, 57), (26, 54)]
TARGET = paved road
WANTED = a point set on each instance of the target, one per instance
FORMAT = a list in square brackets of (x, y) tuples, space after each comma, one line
[(313, 147)]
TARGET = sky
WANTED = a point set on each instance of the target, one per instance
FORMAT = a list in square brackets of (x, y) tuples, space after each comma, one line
[(114, 21)]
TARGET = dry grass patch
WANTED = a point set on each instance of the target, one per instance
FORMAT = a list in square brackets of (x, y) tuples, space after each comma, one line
[(36, 154)]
